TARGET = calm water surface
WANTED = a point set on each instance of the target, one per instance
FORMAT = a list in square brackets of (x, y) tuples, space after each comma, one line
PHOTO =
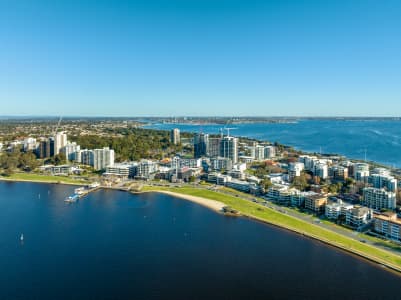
[(113, 245)]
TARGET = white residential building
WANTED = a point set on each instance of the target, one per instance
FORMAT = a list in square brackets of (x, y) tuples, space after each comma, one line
[(321, 170), (361, 171), (220, 163), (124, 170), (70, 150), (103, 158), (358, 216), (30, 144), (175, 137), (188, 162), (381, 178), (379, 198), (60, 141), (336, 209), (270, 152), (295, 169), (146, 168)]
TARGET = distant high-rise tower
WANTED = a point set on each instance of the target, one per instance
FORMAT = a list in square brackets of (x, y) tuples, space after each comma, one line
[(43, 150), (60, 141), (229, 148), (214, 147), (201, 145), (175, 136)]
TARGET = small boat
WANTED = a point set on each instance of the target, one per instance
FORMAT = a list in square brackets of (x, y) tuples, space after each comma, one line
[(22, 237)]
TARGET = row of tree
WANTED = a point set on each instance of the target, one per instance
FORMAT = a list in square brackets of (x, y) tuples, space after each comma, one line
[(18, 160)]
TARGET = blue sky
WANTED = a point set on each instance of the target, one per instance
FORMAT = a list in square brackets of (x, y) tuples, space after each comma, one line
[(206, 57)]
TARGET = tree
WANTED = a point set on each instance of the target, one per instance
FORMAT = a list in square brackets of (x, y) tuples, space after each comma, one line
[(333, 188), (300, 182), (266, 184), (28, 161), (59, 159)]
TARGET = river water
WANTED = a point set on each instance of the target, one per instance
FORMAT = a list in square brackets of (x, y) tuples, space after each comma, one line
[(114, 245), (380, 138)]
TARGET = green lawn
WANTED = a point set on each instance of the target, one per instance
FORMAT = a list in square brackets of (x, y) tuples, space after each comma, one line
[(43, 178), (262, 213)]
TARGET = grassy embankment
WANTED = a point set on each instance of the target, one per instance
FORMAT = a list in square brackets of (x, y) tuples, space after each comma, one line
[(32, 177), (265, 214)]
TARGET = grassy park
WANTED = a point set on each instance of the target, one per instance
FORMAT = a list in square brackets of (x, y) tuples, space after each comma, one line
[(42, 178)]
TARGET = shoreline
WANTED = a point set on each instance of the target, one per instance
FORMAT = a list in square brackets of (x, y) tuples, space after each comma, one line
[(214, 205), (211, 204)]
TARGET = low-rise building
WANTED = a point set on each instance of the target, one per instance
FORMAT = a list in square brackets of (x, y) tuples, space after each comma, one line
[(336, 209), (59, 170), (316, 203), (146, 169), (123, 170), (240, 185), (338, 172), (237, 174), (387, 224), (186, 162), (358, 216), (246, 159)]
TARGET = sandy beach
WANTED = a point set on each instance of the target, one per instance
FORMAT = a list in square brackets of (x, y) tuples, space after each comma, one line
[(212, 204)]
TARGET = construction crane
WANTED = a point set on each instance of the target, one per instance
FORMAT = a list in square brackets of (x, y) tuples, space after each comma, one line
[(228, 130), (58, 125)]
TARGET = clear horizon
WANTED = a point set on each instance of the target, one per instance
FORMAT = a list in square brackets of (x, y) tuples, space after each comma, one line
[(200, 58), (202, 116)]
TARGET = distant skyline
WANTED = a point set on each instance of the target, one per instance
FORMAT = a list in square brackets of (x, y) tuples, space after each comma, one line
[(200, 58)]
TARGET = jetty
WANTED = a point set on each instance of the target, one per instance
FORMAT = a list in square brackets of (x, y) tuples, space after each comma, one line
[(82, 192)]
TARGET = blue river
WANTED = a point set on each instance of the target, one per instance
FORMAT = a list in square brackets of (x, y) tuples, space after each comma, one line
[(379, 139), (115, 245)]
